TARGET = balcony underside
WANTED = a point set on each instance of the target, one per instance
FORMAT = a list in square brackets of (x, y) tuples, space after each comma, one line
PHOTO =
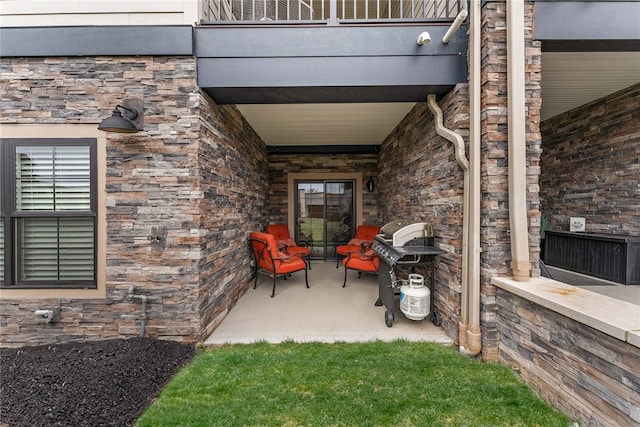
[(269, 65), (306, 94)]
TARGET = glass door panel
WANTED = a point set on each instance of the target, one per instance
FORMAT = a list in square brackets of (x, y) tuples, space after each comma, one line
[(325, 214), (339, 212), (310, 215)]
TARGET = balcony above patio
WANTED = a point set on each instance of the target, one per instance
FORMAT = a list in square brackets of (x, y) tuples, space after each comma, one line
[(328, 51)]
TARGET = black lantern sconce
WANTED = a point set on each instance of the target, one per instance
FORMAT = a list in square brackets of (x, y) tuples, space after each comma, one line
[(370, 184), (118, 123)]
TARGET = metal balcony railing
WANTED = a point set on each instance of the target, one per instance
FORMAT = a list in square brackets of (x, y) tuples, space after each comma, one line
[(329, 11)]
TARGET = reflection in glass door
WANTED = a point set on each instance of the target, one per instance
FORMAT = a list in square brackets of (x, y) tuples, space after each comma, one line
[(324, 214)]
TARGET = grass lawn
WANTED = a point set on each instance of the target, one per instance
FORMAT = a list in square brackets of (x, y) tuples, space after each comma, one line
[(365, 384)]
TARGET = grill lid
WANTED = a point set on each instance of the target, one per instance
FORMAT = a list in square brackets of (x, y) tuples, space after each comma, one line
[(400, 232)]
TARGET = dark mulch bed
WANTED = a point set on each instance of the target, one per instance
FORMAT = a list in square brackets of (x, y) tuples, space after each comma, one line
[(101, 383)]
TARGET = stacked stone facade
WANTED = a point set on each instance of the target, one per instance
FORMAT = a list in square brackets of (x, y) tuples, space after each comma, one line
[(494, 187), (194, 181), (494, 123), (587, 374), (420, 180), (588, 166), (419, 177), (591, 165), (280, 165), (234, 180)]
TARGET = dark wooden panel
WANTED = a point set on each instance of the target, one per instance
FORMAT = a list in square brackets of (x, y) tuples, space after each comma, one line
[(578, 26), (321, 41), (606, 256), (97, 40)]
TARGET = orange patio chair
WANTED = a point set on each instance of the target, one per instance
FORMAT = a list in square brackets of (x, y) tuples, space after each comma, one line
[(272, 262), (360, 243), (286, 244), (367, 262)]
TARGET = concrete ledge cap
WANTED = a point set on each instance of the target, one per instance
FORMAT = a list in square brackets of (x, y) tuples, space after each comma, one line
[(617, 318)]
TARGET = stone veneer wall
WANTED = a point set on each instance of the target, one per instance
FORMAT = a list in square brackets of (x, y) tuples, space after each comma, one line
[(495, 224), (587, 374), (496, 256), (420, 180), (234, 181), (591, 165), (175, 180), (280, 165)]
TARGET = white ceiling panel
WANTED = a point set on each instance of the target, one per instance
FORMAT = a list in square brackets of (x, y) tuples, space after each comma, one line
[(572, 79), (325, 124), (569, 80)]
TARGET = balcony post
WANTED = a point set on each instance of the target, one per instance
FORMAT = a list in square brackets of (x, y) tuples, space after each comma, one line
[(333, 12)]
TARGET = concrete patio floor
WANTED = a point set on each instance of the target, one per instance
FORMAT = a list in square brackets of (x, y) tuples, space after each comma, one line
[(326, 312)]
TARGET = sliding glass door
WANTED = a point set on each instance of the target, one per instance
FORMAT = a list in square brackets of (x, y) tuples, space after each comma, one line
[(325, 214)]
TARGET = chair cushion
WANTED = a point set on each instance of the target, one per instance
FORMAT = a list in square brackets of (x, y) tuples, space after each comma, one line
[(356, 242), (272, 247), (345, 249), (364, 235), (368, 255), (298, 250), (280, 267), (286, 242), (278, 231), (355, 262), (295, 264), (367, 232)]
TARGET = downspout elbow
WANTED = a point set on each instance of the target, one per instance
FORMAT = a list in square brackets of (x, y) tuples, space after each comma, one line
[(474, 343), (448, 134)]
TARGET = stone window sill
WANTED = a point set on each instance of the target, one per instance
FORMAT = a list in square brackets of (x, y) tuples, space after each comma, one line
[(613, 317)]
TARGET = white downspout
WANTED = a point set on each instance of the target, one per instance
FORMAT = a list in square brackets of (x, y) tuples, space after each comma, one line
[(454, 27), (469, 326), (520, 264), (470, 337), (458, 143)]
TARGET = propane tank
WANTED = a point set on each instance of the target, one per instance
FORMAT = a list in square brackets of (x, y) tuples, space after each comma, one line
[(414, 298)]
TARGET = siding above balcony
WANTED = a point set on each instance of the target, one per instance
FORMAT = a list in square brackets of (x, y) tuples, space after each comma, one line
[(93, 41), (29, 13), (366, 63), (588, 26)]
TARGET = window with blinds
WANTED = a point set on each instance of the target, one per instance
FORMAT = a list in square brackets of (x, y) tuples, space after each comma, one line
[(54, 213)]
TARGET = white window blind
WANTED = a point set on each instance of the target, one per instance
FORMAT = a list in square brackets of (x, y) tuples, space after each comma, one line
[(53, 178), (56, 248), (55, 241)]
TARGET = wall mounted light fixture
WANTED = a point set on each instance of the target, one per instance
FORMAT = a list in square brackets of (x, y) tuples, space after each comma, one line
[(118, 123), (370, 184)]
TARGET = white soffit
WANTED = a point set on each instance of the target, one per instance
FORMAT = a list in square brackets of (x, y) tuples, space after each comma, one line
[(569, 80), (325, 124), (572, 79)]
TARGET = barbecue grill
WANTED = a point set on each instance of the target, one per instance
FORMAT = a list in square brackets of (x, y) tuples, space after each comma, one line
[(404, 243)]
